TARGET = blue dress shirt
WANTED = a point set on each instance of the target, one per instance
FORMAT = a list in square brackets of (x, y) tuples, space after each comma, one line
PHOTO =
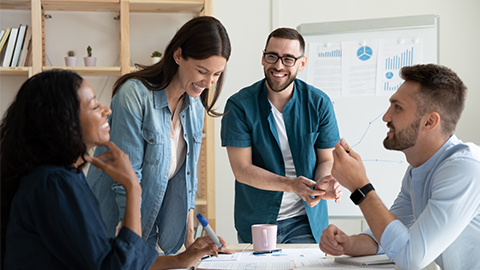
[(310, 124), (55, 223), (438, 211), (140, 126)]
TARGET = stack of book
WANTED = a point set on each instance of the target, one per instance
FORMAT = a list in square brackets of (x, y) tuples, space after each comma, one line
[(15, 46)]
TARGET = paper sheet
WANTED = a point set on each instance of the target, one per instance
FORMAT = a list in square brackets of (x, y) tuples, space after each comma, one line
[(325, 68), (359, 68), (395, 54)]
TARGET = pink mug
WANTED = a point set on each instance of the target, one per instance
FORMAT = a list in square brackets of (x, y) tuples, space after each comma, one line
[(264, 237)]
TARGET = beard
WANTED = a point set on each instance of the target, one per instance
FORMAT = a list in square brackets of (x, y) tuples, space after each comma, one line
[(275, 86), (404, 139)]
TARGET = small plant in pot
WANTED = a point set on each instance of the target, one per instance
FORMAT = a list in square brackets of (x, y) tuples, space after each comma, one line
[(90, 61), (71, 60), (156, 56)]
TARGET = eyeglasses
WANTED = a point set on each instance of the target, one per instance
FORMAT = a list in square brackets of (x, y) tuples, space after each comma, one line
[(287, 61)]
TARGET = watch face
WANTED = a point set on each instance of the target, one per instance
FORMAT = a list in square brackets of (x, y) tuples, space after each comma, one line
[(357, 196)]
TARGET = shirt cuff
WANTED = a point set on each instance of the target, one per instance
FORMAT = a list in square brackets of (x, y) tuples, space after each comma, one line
[(394, 237), (369, 233)]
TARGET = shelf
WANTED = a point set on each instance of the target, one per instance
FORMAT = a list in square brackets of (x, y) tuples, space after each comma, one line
[(90, 71), (81, 5), (15, 4), (156, 6), (15, 71), (170, 6)]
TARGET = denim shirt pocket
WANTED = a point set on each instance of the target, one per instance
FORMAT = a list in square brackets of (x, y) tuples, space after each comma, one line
[(197, 144), (154, 142)]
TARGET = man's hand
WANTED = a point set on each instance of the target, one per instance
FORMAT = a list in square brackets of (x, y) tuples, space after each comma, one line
[(334, 241), (333, 190), (348, 168), (303, 188)]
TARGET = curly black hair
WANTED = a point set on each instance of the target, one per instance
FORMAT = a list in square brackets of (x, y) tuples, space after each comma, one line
[(41, 126)]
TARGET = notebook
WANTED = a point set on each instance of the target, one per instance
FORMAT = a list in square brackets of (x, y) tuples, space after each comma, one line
[(365, 260)]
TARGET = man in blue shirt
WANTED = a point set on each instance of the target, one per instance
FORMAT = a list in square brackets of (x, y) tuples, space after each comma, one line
[(280, 133), (436, 215)]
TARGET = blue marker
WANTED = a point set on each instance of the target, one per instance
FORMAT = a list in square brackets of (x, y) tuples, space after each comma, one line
[(209, 230)]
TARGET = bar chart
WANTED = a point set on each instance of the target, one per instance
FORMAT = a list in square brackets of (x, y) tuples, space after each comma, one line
[(388, 87), (399, 61), (334, 53)]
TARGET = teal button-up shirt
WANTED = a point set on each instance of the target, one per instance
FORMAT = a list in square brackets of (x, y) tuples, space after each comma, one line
[(310, 123)]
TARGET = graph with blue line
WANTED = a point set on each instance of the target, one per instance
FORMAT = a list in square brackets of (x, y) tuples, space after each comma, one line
[(401, 60)]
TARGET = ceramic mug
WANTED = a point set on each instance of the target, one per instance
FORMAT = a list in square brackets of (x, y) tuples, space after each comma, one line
[(264, 237)]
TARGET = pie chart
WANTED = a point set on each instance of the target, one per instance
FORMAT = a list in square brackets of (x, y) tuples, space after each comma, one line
[(364, 53)]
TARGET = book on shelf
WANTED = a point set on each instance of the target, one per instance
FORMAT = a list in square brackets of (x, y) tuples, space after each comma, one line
[(2, 33), (28, 58), (18, 45), (4, 39), (26, 45), (10, 47)]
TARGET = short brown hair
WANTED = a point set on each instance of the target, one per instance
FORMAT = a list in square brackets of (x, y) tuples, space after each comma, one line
[(441, 90), (287, 33)]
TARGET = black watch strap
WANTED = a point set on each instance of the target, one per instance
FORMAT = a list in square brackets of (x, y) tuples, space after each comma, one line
[(359, 194)]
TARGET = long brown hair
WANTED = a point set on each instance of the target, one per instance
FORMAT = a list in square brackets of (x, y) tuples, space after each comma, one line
[(199, 39)]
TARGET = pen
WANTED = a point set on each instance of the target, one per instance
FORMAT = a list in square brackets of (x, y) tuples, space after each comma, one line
[(209, 230), (267, 251), (206, 257)]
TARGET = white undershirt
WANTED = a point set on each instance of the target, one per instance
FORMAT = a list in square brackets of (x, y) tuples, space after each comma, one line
[(292, 204), (177, 143)]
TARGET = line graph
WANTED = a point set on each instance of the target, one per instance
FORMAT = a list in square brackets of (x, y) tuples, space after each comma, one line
[(363, 136)]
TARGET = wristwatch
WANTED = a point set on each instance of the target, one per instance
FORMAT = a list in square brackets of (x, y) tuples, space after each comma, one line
[(359, 194)]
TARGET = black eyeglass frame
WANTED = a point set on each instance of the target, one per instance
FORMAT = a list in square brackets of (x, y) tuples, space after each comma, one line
[(281, 58)]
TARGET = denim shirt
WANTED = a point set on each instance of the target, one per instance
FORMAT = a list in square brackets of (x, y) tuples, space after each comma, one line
[(140, 126), (438, 211)]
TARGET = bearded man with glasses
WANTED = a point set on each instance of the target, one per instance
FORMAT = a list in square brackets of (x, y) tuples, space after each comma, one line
[(280, 133)]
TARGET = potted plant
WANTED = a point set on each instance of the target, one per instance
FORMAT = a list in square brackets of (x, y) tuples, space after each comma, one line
[(71, 60), (156, 56), (89, 60)]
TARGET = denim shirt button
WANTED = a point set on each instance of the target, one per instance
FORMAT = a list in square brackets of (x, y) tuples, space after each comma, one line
[(151, 139), (188, 173), (185, 135), (190, 191)]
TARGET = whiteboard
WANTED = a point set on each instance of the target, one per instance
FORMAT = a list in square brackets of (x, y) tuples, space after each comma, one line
[(360, 118)]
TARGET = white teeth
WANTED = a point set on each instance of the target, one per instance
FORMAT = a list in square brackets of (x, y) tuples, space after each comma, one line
[(277, 75), (198, 87), (104, 125)]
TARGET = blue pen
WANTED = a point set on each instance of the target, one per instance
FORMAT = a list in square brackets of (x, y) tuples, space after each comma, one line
[(209, 230)]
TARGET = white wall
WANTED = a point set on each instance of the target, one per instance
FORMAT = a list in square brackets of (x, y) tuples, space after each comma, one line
[(249, 22)]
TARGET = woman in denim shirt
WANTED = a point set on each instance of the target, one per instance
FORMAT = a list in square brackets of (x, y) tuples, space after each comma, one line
[(157, 119)]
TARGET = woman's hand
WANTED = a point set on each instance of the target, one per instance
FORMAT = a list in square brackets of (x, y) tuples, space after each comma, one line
[(201, 247), (116, 164)]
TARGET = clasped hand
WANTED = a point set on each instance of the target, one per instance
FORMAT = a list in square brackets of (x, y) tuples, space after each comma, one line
[(325, 188)]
